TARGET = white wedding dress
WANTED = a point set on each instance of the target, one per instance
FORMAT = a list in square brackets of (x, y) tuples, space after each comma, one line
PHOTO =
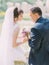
[(8, 54)]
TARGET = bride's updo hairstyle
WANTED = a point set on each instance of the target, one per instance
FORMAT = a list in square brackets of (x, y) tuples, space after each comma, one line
[(16, 13)]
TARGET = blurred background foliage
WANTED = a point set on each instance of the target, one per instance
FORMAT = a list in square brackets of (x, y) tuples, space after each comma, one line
[(3, 4)]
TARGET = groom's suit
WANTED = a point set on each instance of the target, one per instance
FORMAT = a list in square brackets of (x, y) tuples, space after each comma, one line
[(39, 43)]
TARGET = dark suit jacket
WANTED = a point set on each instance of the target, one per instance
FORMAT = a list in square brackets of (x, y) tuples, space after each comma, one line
[(39, 43)]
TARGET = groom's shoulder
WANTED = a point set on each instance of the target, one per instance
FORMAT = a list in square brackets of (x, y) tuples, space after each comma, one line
[(37, 26)]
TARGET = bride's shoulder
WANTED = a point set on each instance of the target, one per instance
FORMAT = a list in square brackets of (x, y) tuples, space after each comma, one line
[(16, 27)]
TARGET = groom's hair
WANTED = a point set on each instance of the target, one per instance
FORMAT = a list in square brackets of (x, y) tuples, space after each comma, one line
[(16, 13), (37, 10)]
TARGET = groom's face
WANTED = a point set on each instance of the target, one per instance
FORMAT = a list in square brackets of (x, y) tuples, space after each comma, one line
[(34, 16)]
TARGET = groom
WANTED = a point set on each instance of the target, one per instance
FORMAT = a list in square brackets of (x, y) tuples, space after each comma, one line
[(39, 39)]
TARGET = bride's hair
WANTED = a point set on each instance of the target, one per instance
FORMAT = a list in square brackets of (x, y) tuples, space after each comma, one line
[(21, 11), (16, 13)]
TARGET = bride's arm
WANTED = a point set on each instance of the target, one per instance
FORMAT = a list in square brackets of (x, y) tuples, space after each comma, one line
[(15, 35)]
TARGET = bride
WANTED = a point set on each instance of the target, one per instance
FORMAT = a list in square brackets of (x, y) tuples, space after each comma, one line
[(8, 51)]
